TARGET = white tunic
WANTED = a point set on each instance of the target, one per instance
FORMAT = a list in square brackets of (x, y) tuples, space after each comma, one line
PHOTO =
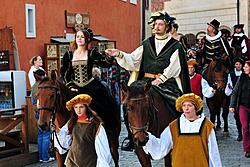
[(132, 61), (31, 75), (160, 147), (101, 145)]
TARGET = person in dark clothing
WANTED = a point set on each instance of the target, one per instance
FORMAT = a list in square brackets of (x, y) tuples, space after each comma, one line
[(240, 101), (239, 42), (233, 76), (216, 47)]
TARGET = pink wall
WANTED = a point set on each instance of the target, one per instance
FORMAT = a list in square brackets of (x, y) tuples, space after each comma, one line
[(114, 19)]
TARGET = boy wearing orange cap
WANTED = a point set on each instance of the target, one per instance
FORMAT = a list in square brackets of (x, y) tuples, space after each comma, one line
[(190, 137), (84, 136), (195, 78)]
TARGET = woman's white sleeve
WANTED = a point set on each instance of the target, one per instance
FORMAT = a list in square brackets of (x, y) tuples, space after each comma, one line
[(206, 89), (159, 147), (64, 138), (102, 148), (213, 151), (229, 86)]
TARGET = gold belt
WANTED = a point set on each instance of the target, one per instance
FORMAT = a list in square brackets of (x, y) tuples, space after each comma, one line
[(150, 75)]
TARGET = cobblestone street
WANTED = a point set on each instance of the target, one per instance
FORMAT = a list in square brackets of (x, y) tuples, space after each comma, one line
[(230, 150)]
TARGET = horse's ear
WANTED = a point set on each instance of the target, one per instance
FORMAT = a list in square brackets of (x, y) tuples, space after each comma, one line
[(147, 86), (53, 75), (38, 78)]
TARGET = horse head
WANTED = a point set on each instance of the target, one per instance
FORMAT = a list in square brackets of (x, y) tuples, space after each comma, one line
[(52, 96), (47, 94), (217, 74), (138, 109)]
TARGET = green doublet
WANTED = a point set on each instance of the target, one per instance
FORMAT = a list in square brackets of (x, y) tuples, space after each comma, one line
[(82, 151), (155, 64)]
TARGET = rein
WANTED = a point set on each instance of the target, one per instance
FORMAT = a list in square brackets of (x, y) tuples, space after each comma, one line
[(53, 111), (143, 128)]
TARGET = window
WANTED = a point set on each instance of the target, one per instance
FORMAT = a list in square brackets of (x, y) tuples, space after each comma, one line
[(133, 1), (30, 20)]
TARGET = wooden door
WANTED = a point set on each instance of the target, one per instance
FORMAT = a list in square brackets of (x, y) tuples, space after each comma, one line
[(6, 43)]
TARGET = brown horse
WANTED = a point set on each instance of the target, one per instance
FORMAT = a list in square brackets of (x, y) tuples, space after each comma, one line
[(53, 95), (146, 112), (216, 75)]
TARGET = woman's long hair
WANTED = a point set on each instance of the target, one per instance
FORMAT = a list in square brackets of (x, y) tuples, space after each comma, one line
[(90, 114)]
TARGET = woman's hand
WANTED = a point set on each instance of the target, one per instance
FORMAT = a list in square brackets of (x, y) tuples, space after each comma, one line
[(74, 89), (54, 128), (112, 52), (231, 109)]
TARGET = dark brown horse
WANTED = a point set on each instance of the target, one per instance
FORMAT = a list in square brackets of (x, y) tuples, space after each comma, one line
[(53, 95), (216, 75), (146, 112)]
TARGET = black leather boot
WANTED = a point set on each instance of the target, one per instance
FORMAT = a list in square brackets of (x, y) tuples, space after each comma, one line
[(239, 138)]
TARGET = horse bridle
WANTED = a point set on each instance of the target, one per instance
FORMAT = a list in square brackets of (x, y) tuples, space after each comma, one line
[(53, 111), (47, 108), (143, 128)]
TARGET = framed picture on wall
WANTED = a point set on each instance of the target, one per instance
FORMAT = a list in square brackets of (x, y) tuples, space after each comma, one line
[(63, 49), (52, 64), (51, 50)]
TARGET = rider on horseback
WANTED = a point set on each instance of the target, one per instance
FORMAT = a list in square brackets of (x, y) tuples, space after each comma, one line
[(216, 47), (160, 60)]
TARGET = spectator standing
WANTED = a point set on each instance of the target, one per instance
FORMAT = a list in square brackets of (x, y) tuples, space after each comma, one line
[(195, 78), (240, 101), (36, 63), (43, 139), (233, 76)]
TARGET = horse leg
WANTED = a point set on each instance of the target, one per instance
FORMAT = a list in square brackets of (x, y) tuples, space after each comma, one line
[(218, 118), (211, 108), (60, 159), (168, 160), (143, 157)]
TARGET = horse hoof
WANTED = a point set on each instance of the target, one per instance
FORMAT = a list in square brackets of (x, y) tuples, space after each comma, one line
[(225, 134)]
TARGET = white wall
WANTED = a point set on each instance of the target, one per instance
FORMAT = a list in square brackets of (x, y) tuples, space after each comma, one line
[(193, 15)]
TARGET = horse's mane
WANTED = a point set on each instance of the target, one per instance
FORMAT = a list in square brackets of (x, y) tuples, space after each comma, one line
[(44, 79), (137, 88)]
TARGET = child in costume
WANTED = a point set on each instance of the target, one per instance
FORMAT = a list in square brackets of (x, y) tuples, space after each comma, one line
[(84, 136), (190, 137)]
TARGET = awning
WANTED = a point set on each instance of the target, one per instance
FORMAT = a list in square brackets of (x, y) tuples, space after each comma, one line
[(59, 40), (100, 38), (70, 37)]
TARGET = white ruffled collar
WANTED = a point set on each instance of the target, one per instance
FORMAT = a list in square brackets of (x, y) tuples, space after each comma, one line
[(165, 36), (239, 35), (214, 37)]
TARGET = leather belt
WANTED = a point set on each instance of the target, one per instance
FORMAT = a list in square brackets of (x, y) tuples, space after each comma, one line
[(150, 75)]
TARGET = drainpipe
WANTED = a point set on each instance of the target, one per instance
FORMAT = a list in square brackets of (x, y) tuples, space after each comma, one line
[(143, 10), (238, 11)]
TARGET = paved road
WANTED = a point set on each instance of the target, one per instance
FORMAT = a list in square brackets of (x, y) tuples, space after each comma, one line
[(230, 150)]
